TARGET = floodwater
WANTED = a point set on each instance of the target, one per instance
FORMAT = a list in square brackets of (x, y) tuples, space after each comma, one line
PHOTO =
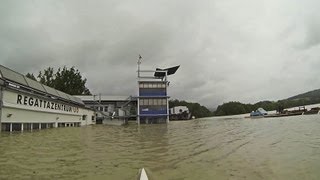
[(213, 148)]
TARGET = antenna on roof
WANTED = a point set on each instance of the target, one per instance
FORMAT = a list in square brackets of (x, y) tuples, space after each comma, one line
[(139, 62)]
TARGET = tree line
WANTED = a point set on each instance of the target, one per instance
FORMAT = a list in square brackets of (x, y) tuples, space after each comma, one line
[(233, 108), (68, 80)]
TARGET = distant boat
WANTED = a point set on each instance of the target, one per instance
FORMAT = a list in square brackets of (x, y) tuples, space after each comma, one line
[(260, 112), (314, 110), (296, 112)]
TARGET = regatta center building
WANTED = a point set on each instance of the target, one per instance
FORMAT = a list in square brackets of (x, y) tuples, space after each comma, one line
[(26, 104)]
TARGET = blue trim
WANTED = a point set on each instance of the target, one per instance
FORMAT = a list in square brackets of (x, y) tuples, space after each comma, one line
[(153, 115), (154, 112), (152, 92)]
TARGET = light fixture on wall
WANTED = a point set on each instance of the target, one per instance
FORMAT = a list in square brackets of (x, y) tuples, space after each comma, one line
[(9, 115)]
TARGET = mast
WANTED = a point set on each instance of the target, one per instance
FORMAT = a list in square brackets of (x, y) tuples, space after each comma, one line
[(139, 62)]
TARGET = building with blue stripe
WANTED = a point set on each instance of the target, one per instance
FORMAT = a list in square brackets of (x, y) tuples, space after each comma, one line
[(153, 99)]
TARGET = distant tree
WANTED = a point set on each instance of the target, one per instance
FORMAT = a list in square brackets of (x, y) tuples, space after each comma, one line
[(68, 80), (231, 108), (47, 77), (31, 76)]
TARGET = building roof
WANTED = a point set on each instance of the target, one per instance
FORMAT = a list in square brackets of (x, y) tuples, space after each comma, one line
[(21, 80)]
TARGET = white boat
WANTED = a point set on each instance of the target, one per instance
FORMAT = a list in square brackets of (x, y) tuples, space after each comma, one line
[(143, 175)]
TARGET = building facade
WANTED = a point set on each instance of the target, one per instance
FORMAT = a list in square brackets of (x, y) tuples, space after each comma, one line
[(111, 109), (153, 101), (28, 105)]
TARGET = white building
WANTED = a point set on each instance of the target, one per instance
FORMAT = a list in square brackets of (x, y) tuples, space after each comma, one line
[(179, 110), (27, 105)]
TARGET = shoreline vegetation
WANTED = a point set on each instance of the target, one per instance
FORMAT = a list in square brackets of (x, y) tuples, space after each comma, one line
[(234, 107)]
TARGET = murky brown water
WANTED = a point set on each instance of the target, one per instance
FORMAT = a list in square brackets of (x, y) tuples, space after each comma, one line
[(282, 148)]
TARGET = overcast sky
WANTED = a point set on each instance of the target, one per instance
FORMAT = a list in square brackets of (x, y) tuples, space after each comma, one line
[(229, 50)]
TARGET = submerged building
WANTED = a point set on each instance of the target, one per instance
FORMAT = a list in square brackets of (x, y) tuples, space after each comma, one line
[(151, 105), (153, 99), (27, 104), (115, 110)]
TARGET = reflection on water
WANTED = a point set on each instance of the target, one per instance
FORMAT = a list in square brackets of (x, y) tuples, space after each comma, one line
[(216, 148)]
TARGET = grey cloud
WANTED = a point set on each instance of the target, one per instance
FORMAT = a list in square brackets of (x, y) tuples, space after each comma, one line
[(313, 35), (228, 50)]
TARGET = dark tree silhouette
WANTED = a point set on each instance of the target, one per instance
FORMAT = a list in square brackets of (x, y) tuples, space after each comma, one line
[(68, 80)]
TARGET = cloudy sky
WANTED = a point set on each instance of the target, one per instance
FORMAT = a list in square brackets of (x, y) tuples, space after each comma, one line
[(229, 50)]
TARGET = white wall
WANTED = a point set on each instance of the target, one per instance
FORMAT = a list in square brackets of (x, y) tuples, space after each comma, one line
[(15, 111), (89, 114)]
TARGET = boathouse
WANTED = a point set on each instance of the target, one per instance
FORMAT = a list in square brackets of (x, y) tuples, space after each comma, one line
[(28, 105), (153, 99)]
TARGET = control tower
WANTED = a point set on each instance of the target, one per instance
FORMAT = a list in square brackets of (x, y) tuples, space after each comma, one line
[(152, 99)]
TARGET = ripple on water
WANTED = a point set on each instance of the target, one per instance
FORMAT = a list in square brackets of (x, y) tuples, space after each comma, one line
[(275, 148)]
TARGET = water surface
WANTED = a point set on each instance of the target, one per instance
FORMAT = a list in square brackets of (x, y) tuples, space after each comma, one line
[(213, 148)]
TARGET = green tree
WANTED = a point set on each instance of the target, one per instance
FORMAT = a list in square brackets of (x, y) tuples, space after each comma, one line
[(31, 76), (47, 77), (232, 108), (68, 80)]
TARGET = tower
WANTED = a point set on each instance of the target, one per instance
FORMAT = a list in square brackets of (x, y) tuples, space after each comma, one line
[(153, 99)]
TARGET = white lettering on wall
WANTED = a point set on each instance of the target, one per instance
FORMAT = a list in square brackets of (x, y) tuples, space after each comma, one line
[(35, 102)]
